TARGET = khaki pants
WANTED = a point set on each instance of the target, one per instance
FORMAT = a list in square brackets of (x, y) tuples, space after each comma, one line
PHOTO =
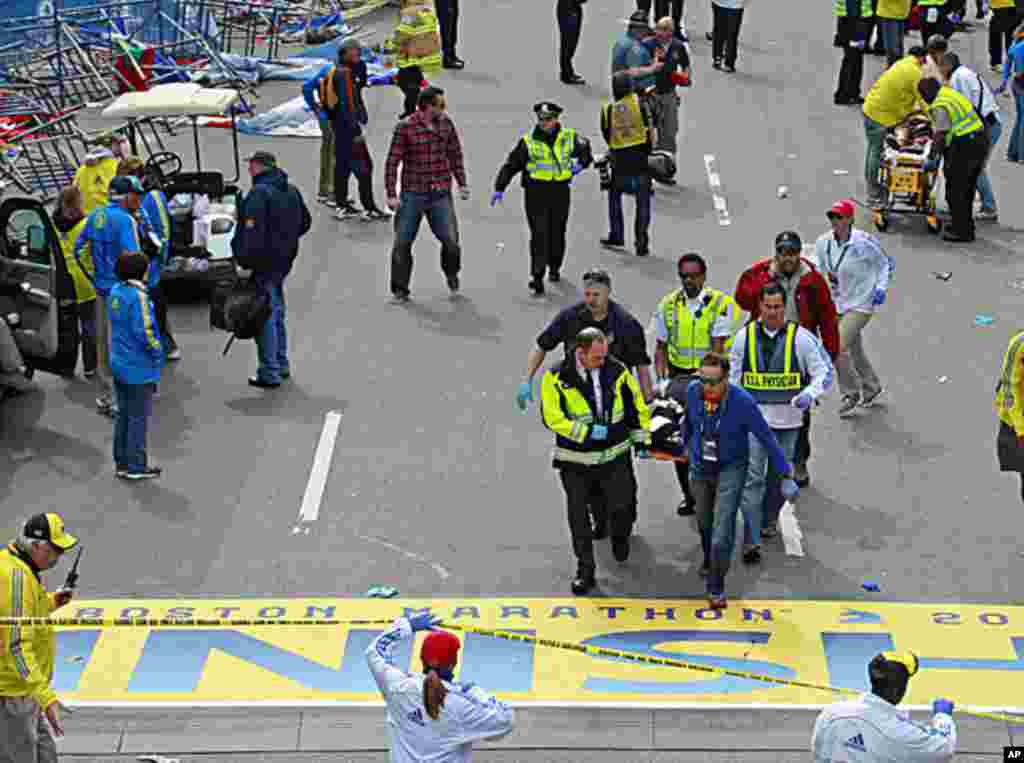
[(25, 733), (104, 377), (326, 160), (857, 376)]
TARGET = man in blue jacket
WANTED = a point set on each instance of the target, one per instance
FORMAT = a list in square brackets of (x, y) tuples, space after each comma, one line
[(720, 419), (136, 357), (110, 232), (271, 220)]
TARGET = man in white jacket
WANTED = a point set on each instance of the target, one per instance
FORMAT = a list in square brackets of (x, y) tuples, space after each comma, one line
[(870, 729), (431, 717), (858, 272)]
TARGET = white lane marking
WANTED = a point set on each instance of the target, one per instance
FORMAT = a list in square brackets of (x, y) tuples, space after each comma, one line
[(789, 526), (715, 182), (441, 571), (321, 468)]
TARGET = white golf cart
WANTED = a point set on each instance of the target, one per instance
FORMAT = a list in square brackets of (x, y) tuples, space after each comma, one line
[(202, 204)]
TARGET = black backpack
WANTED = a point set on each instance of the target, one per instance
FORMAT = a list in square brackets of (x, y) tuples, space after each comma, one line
[(241, 308)]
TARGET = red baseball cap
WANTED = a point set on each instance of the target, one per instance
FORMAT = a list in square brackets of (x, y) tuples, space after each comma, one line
[(440, 649), (842, 208)]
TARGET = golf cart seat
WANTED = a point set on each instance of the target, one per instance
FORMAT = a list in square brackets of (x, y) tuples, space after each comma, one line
[(209, 183)]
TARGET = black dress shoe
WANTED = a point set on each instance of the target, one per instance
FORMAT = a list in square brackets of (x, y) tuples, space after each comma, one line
[(752, 555), (730, 68), (574, 79), (612, 243), (620, 548), (453, 63), (554, 276), (453, 284), (643, 251), (685, 507), (956, 238), (537, 287), (716, 64), (255, 381), (582, 584)]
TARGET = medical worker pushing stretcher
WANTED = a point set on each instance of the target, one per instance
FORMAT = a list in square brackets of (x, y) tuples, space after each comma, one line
[(431, 717)]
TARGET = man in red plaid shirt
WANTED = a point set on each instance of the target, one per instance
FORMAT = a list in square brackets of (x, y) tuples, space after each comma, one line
[(428, 148)]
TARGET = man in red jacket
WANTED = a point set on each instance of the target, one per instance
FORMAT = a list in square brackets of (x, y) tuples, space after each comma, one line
[(808, 302)]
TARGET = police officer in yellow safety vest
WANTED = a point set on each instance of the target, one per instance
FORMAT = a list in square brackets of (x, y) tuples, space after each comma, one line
[(962, 141), (627, 125), (689, 323), (596, 409), (30, 713), (549, 157), (1009, 406), (785, 369)]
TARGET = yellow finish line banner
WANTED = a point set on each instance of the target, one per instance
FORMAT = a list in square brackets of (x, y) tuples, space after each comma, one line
[(974, 653)]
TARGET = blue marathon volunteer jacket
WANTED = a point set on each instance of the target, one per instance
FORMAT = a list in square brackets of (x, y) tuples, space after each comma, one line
[(110, 231), (272, 218), (136, 352)]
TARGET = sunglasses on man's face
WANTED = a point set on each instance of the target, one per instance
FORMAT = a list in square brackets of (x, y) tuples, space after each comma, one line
[(690, 276), (707, 381), (598, 276)]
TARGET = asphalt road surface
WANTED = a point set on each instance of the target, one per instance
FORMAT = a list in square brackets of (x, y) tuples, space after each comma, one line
[(438, 485)]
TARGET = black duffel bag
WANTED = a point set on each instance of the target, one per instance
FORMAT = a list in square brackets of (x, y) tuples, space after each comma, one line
[(239, 307)]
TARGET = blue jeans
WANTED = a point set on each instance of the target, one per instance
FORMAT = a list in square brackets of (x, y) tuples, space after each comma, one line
[(891, 33), (135, 404), (641, 187), (875, 135), (762, 495), (1015, 151), (272, 341), (439, 210), (718, 501), (988, 199)]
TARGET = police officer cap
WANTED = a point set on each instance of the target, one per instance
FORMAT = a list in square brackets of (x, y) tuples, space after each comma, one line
[(787, 241), (547, 109)]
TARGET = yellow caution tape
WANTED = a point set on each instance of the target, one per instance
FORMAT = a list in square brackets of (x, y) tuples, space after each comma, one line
[(570, 646)]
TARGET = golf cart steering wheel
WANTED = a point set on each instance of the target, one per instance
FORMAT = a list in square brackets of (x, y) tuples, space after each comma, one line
[(163, 166)]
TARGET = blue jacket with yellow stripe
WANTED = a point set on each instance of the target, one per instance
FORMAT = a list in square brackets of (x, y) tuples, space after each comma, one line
[(157, 217), (568, 409), (136, 352)]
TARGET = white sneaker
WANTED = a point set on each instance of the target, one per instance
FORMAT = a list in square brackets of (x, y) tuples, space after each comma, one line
[(986, 216), (872, 400), (848, 406)]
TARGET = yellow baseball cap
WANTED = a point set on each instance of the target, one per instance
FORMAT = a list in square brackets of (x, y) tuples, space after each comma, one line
[(50, 527)]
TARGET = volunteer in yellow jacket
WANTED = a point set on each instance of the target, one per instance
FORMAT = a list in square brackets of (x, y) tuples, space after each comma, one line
[(1009, 406), (596, 409), (69, 220), (29, 708), (97, 170), (890, 102)]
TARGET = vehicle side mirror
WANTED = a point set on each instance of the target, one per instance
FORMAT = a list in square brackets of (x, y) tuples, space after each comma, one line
[(37, 243)]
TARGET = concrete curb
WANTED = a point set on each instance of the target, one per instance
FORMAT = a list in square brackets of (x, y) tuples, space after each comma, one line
[(111, 731)]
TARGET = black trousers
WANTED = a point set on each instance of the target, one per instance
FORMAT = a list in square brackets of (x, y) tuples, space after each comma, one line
[(1000, 33), (448, 20), (673, 8), (851, 71), (677, 391), (962, 163), (598, 503), (160, 308), (616, 484), (408, 81), (803, 441), (725, 33), (570, 22), (547, 214), (939, 26)]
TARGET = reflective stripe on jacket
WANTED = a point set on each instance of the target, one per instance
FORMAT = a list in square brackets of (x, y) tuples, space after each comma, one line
[(568, 410), (81, 272), (689, 338), (418, 39), (26, 651), (551, 163), (626, 123), (961, 113), (862, 8), (1009, 403), (136, 352), (777, 379)]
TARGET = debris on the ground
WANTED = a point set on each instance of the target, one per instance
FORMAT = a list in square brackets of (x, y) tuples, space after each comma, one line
[(943, 275), (783, 191), (943, 379), (983, 320), (382, 592), (840, 172), (870, 585)]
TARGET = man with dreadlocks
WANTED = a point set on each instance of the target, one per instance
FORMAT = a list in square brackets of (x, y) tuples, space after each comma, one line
[(432, 716), (870, 728)]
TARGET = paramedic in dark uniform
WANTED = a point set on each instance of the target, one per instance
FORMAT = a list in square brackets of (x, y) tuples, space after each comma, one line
[(570, 21), (626, 343), (597, 412), (549, 157)]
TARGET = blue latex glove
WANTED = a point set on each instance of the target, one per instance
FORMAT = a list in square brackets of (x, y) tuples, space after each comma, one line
[(577, 168), (790, 489), (599, 432), (524, 395), (378, 79), (803, 401), (955, 18), (858, 44), (424, 621), (943, 706), (878, 298), (497, 198)]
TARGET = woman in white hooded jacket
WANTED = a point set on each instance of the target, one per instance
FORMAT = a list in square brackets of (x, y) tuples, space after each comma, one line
[(431, 717)]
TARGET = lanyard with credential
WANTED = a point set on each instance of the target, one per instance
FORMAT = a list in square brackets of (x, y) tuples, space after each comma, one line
[(842, 255)]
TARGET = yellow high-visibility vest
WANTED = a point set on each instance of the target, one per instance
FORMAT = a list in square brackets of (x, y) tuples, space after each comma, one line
[(550, 162), (961, 113), (689, 338), (1009, 402), (626, 123), (418, 38)]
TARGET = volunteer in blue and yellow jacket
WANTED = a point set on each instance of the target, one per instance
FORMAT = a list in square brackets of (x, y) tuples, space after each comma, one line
[(29, 708), (962, 142), (596, 409), (548, 157), (136, 357), (689, 323), (109, 232), (69, 220), (1009, 406), (785, 369)]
